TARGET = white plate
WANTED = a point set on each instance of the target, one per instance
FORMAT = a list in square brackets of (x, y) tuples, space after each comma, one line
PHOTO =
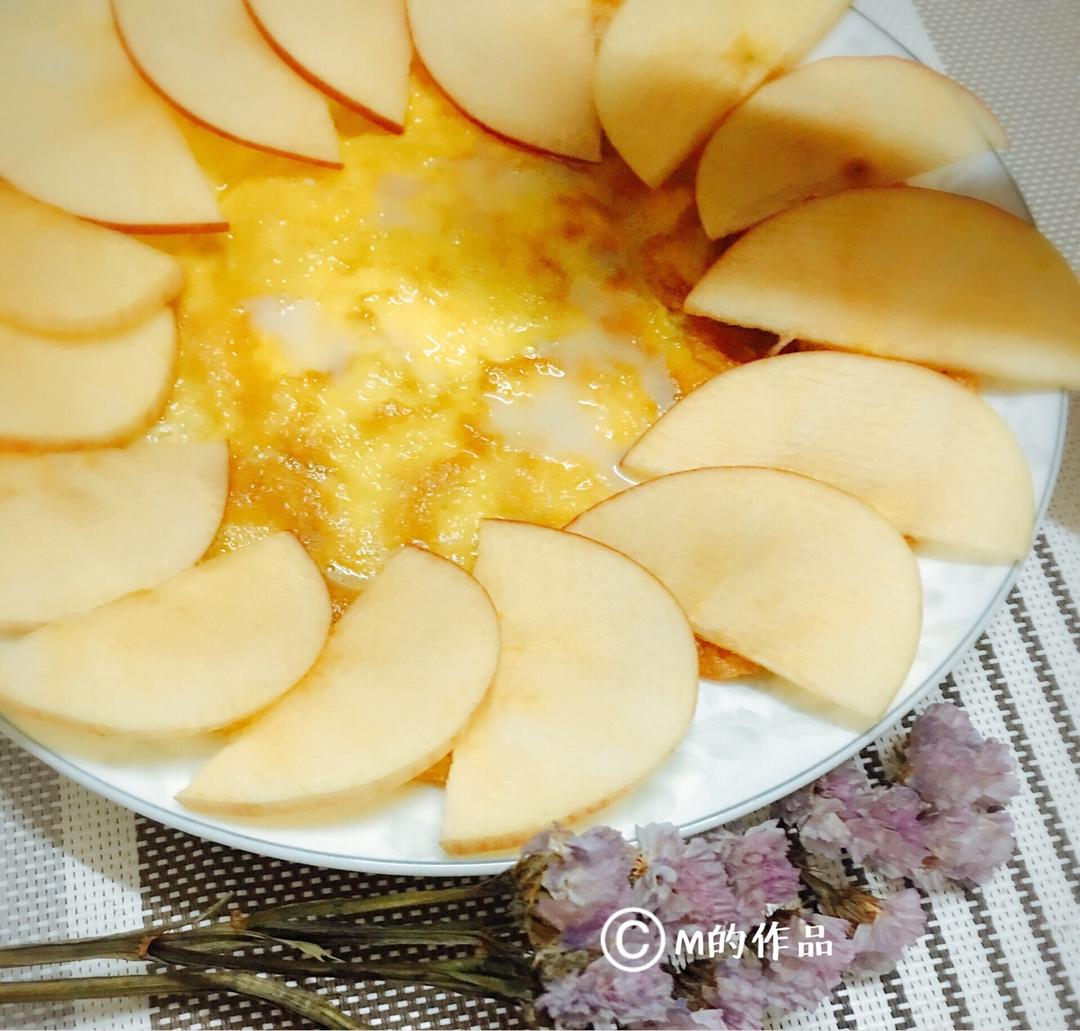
[(748, 745)]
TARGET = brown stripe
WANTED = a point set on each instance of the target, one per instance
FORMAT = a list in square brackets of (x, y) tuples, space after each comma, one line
[(1062, 595), (1036, 917), (1028, 764), (1047, 680)]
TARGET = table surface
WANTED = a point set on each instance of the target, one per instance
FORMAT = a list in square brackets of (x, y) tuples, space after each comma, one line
[(1003, 955)]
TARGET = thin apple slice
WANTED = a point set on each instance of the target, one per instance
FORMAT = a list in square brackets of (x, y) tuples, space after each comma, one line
[(79, 129), (596, 685), (930, 455), (207, 58), (211, 646), (792, 574), (78, 530), (668, 72), (906, 273), (61, 275), (832, 125), (402, 672), (93, 390), (522, 69), (357, 53)]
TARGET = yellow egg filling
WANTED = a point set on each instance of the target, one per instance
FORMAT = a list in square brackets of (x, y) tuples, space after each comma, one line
[(449, 328)]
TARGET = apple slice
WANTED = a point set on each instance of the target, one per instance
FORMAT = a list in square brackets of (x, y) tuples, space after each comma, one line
[(522, 69), (930, 455), (94, 390), (79, 129), (906, 273), (832, 125), (78, 530), (207, 648), (596, 685), (668, 72), (60, 275), (357, 53), (797, 576), (403, 670), (207, 58)]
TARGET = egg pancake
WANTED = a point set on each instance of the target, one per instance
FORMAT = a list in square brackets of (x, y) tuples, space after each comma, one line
[(449, 328)]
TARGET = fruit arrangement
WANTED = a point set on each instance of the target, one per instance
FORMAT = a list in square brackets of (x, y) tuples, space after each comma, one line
[(774, 507)]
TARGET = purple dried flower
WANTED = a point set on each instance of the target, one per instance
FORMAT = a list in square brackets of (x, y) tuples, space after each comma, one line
[(681, 881), (761, 875), (603, 996), (819, 811), (585, 884), (969, 844), (797, 981), (723, 878), (844, 812), (888, 927), (950, 764), (887, 831), (737, 994)]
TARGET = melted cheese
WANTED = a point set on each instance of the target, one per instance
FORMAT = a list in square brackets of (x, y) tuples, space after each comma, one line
[(449, 328)]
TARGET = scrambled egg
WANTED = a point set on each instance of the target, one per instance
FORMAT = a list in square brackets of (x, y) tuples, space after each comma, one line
[(449, 328)]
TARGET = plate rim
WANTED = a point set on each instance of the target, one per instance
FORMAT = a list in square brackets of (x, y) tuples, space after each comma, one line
[(454, 868)]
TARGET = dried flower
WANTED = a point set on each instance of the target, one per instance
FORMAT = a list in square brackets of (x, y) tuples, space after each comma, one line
[(797, 981), (603, 996), (950, 764), (734, 993), (843, 812), (939, 822), (682, 882), (761, 875), (968, 845), (885, 929), (724, 877), (587, 878)]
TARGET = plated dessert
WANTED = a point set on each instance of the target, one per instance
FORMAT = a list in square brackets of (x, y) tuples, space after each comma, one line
[(423, 397)]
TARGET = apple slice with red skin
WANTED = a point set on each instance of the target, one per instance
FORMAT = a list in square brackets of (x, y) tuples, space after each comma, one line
[(61, 275), (79, 128), (358, 53), (207, 58), (522, 69)]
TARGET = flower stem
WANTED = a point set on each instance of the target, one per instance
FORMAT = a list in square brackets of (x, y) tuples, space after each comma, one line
[(438, 973), (303, 1003), (111, 946), (491, 887)]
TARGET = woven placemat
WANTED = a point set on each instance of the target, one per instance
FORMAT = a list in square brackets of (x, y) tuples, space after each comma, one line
[(1004, 955)]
